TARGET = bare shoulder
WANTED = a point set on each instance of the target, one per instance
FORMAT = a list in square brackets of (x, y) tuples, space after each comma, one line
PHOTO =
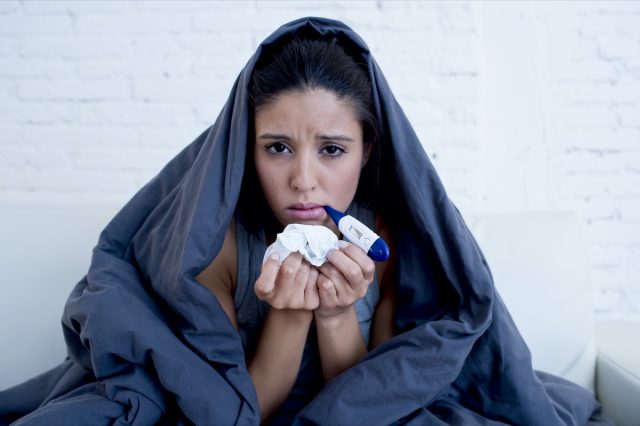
[(220, 275)]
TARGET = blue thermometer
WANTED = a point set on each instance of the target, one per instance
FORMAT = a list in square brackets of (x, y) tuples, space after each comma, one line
[(359, 234)]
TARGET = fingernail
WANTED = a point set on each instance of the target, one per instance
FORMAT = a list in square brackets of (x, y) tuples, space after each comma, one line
[(275, 256), (343, 244)]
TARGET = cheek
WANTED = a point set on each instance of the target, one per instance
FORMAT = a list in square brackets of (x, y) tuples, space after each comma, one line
[(346, 178), (262, 169), (355, 171), (268, 177)]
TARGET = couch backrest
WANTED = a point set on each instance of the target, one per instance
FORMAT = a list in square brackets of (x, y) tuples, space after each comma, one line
[(44, 252), (539, 264)]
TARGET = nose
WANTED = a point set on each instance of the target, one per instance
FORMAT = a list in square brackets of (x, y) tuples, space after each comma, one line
[(303, 173)]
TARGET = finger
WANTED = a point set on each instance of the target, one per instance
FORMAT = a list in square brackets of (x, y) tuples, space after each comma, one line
[(338, 282), (302, 276), (311, 296), (356, 267), (299, 284), (287, 273), (356, 254), (266, 281), (327, 292)]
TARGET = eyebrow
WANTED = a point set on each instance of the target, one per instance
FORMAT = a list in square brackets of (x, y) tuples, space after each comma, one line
[(274, 136), (335, 138), (330, 138)]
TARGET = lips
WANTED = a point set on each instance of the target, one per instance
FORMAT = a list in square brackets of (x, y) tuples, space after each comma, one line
[(306, 211)]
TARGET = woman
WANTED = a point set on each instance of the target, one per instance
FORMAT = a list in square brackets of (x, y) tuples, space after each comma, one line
[(314, 131), (178, 320)]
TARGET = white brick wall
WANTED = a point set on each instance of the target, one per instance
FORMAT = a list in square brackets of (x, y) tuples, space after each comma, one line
[(521, 105)]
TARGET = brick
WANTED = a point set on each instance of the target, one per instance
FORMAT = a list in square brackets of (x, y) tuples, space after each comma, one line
[(630, 211), (47, 24), (191, 7), (223, 44), (629, 115), (73, 89), (56, 198), (585, 71), (73, 136), (631, 165), (9, 7), (456, 158), (614, 92), (606, 300), (464, 135), (187, 49), (170, 90), (136, 114), (593, 208), (610, 138), (573, 46), (608, 278), (72, 182), (589, 117), (140, 23), (221, 18), (608, 22), (619, 46), (23, 68), (226, 69), (8, 47), (11, 134), (613, 232), (95, 69), (36, 113), (609, 256), (113, 160), (157, 69), (35, 156), (73, 47), (99, 7), (594, 186), (8, 112)]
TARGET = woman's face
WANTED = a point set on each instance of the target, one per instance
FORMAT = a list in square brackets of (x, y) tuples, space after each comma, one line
[(308, 153)]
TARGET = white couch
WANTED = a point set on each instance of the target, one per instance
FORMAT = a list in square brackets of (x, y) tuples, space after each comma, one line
[(539, 264), (538, 261)]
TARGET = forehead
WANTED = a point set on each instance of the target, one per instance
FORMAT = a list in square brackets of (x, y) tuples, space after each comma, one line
[(317, 108)]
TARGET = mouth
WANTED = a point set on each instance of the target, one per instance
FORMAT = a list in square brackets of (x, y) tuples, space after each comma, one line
[(306, 211)]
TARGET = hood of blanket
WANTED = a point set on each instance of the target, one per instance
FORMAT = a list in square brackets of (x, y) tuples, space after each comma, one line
[(174, 226)]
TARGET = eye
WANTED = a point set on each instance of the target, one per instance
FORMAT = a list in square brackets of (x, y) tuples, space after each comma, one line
[(277, 148), (333, 150)]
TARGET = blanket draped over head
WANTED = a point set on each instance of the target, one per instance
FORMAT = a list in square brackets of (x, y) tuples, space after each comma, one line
[(148, 344)]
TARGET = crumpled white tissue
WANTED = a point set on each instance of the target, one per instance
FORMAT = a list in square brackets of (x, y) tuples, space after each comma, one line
[(314, 242)]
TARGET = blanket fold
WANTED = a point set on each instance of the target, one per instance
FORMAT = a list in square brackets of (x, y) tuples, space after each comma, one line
[(148, 344)]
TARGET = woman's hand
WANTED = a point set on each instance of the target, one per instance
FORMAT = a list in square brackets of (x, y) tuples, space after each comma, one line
[(291, 285), (344, 279)]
